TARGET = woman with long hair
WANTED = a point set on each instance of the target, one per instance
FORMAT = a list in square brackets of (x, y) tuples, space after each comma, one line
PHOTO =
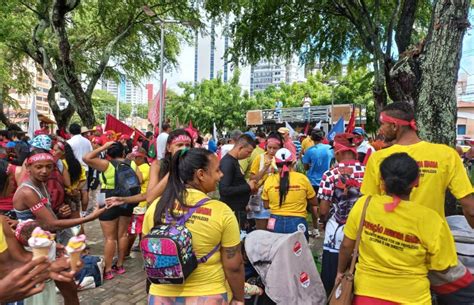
[(286, 194), (400, 242), (262, 166), (192, 174), (32, 201), (177, 140), (74, 176)]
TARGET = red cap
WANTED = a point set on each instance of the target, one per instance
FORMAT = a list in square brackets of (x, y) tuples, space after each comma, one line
[(125, 137)]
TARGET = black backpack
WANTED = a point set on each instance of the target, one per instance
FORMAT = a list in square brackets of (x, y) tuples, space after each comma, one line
[(126, 180)]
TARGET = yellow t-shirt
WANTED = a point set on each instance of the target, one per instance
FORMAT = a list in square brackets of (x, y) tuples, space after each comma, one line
[(306, 144), (257, 164), (3, 241), (398, 248), (211, 224), (440, 169), (246, 164), (296, 200), (81, 178), (109, 177), (145, 170)]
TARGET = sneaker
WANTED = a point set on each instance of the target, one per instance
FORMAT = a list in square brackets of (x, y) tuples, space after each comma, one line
[(108, 275), (118, 270)]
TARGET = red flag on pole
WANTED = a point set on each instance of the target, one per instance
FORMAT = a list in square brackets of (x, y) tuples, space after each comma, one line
[(111, 123), (154, 110), (136, 135), (193, 132), (306, 129), (351, 125)]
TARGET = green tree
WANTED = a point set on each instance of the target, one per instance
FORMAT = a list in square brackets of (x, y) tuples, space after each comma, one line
[(211, 101), (414, 46), (77, 42)]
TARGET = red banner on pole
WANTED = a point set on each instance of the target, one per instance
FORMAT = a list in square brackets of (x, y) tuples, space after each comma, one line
[(111, 123), (154, 111), (351, 125)]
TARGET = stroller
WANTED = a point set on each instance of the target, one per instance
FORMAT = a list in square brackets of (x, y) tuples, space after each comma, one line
[(464, 239), (285, 267)]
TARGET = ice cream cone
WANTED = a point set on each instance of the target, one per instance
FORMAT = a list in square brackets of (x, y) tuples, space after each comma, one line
[(75, 258), (40, 252)]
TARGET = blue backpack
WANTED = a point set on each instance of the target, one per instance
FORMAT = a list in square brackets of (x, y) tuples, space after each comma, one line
[(168, 251)]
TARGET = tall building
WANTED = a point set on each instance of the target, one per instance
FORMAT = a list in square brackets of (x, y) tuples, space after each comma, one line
[(41, 85), (125, 91), (268, 73)]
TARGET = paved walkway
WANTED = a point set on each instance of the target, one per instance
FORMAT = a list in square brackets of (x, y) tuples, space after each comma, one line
[(128, 288)]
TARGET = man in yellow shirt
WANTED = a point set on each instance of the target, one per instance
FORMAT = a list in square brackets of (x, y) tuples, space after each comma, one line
[(441, 168), (21, 277)]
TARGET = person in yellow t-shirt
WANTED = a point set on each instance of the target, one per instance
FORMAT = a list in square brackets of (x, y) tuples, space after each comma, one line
[(212, 224), (262, 167), (287, 194), (401, 241), (142, 169), (306, 144), (441, 169)]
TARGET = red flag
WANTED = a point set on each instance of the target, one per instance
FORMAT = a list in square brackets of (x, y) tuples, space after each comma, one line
[(351, 125), (154, 110), (193, 132), (136, 135), (306, 129), (111, 123)]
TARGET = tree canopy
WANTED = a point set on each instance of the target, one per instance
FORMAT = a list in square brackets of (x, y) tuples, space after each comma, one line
[(77, 42)]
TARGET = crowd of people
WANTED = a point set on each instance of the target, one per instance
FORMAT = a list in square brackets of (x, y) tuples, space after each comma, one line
[(383, 199)]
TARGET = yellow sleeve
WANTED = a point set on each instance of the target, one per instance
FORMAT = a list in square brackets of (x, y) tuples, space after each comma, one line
[(255, 167), (83, 174), (231, 232), (310, 193), (353, 220), (459, 183), (244, 164), (441, 247), (148, 221), (371, 183), (3, 241), (266, 186)]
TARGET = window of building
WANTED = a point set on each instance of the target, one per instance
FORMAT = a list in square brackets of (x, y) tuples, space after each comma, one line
[(461, 129)]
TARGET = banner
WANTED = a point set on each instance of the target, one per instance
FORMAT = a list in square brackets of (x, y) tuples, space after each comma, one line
[(111, 123), (337, 128), (33, 121), (214, 132), (351, 125), (154, 110), (292, 131)]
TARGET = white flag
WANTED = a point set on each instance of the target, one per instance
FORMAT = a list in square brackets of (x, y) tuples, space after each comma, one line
[(318, 126), (33, 121), (292, 131), (214, 132)]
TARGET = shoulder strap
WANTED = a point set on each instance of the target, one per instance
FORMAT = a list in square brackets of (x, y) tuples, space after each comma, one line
[(182, 220), (34, 188), (359, 234)]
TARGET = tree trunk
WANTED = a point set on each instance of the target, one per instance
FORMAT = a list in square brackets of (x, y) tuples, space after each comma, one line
[(436, 108), (3, 118), (62, 117)]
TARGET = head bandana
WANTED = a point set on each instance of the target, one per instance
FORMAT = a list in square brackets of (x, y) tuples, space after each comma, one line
[(39, 158), (385, 118), (181, 139), (345, 142), (390, 206), (273, 141), (41, 141), (137, 153), (284, 156), (341, 148)]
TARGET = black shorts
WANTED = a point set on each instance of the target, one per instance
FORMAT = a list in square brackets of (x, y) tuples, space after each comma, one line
[(115, 212), (309, 207)]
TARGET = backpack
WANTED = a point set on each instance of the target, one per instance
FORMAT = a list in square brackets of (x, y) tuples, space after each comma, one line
[(346, 193), (168, 251), (126, 180), (91, 275)]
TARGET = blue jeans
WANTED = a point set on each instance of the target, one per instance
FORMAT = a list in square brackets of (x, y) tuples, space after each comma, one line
[(289, 224)]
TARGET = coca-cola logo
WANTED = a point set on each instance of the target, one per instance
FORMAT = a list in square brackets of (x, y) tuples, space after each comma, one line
[(304, 280), (297, 250)]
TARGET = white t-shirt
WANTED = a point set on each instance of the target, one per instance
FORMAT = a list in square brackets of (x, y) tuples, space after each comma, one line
[(80, 146), (307, 102), (161, 145), (225, 149)]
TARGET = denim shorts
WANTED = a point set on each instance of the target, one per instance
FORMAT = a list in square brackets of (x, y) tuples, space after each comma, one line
[(288, 224)]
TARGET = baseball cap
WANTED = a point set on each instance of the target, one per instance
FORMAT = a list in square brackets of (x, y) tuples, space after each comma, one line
[(283, 130)]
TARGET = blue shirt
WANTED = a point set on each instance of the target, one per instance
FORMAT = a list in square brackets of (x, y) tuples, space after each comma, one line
[(319, 158)]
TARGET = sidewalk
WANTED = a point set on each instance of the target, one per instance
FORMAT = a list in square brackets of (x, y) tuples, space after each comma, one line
[(125, 289)]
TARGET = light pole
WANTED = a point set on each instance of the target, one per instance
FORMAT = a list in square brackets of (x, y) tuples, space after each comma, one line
[(333, 83), (149, 12)]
